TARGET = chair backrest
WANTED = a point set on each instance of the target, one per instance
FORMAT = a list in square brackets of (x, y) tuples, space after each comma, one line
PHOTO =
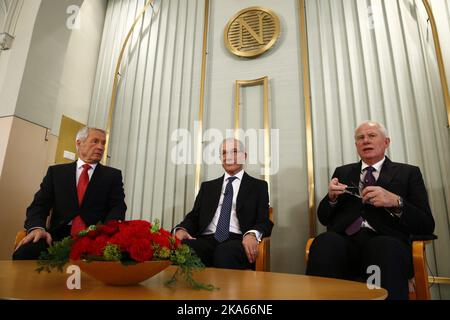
[(19, 236)]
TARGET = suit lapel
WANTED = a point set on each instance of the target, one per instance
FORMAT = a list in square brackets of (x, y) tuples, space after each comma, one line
[(386, 174), (355, 175), (244, 189), (71, 177), (69, 182), (93, 183), (214, 194)]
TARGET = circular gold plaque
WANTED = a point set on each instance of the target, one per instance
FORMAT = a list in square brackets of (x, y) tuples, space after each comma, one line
[(251, 32)]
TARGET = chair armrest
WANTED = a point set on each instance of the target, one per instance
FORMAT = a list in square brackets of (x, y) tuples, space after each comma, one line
[(19, 236), (423, 237), (308, 246), (263, 258)]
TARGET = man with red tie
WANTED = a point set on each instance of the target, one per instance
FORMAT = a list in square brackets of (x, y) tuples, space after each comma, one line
[(78, 194), (371, 210)]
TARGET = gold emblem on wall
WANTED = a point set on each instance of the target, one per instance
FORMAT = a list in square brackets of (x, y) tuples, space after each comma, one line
[(251, 32)]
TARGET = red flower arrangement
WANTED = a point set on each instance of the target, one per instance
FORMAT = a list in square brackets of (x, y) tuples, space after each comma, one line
[(129, 242), (118, 240)]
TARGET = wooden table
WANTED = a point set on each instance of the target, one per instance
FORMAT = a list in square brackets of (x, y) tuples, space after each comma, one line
[(18, 280)]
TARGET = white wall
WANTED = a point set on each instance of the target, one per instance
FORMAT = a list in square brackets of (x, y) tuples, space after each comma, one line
[(5, 128), (5, 7), (60, 68), (13, 61), (21, 176), (80, 64)]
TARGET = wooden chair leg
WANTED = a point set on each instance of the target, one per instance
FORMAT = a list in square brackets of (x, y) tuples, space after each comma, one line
[(420, 271), (263, 259)]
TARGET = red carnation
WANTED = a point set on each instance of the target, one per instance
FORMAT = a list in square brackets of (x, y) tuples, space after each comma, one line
[(139, 224), (109, 229), (141, 250), (98, 245), (162, 239), (79, 248), (92, 234)]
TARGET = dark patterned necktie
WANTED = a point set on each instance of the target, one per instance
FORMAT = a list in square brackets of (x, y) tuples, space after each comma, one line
[(223, 225), (369, 180)]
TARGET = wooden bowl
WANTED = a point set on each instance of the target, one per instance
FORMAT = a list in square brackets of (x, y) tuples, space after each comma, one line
[(115, 273)]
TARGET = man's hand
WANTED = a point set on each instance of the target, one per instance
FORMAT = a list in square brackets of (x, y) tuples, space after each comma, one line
[(182, 234), (379, 197), (335, 189), (250, 246), (35, 235)]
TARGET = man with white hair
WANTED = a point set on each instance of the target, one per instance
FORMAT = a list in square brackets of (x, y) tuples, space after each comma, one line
[(77, 194), (371, 210), (230, 214)]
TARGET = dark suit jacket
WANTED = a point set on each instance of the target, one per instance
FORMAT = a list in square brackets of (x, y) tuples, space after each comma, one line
[(252, 206), (103, 200), (401, 179)]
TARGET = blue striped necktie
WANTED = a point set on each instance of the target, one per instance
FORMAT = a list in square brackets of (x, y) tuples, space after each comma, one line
[(223, 225)]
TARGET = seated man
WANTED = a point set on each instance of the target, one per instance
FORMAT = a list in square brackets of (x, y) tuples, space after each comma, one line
[(79, 194), (230, 214), (371, 209)]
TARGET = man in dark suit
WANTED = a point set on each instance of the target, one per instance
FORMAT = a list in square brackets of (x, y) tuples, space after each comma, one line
[(230, 214), (371, 210), (78, 194)]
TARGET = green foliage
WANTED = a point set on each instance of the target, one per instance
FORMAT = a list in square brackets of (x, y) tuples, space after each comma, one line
[(56, 256), (156, 226), (188, 262), (111, 252)]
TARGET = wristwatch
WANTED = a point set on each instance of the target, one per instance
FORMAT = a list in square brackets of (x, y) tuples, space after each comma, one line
[(400, 202)]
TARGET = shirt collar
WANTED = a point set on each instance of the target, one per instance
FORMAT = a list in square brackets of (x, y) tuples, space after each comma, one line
[(80, 164), (377, 165), (237, 175)]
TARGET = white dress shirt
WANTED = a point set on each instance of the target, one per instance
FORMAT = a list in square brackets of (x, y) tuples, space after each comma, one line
[(234, 221), (80, 164)]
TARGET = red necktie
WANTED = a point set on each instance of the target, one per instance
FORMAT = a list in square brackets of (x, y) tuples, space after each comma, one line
[(78, 223)]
